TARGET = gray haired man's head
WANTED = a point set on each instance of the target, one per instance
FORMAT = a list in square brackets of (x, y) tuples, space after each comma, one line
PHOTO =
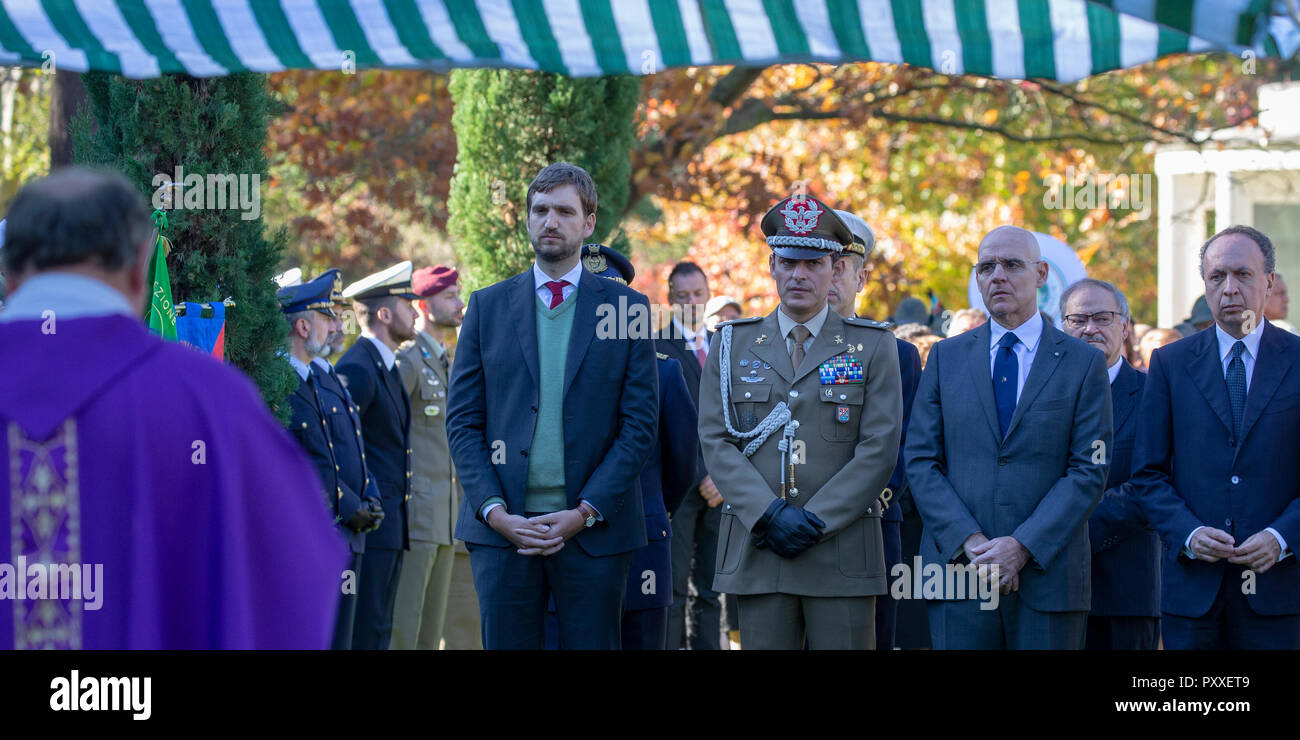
[(90, 222)]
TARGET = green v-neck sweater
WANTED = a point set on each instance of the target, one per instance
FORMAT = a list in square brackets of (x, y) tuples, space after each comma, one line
[(545, 487)]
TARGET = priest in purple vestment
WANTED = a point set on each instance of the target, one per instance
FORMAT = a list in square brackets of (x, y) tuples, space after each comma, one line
[(149, 498)]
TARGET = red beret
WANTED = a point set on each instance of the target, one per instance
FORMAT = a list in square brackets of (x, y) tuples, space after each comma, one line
[(428, 281)]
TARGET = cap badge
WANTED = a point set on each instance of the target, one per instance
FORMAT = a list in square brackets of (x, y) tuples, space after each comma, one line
[(801, 216)]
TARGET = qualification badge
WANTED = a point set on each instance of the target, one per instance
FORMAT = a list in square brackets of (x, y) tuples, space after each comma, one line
[(842, 414)]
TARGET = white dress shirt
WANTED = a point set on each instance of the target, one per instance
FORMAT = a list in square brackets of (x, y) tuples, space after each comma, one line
[(540, 279), (68, 295), (385, 353), (1113, 370), (1248, 358), (299, 367), (813, 325), (694, 339), (1028, 334)]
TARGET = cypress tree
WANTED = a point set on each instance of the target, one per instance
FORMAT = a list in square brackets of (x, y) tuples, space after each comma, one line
[(509, 125), (216, 126)]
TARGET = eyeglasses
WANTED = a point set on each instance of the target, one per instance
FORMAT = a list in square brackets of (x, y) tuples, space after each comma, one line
[(1009, 266), (1100, 319)]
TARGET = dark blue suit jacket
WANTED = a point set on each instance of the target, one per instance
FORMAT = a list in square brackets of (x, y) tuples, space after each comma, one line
[(611, 409), (909, 371), (670, 343), (344, 426), (1125, 548), (1189, 470), (386, 426), (667, 476)]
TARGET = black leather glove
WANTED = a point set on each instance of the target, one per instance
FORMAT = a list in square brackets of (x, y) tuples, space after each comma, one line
[(360, 520), (376, 513), (788, 530)]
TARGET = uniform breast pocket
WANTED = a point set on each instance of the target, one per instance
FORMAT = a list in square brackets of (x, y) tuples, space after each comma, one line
[(841, 411), (751, 404), (430, 403)]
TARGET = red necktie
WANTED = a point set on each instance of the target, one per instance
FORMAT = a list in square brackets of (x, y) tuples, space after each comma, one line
[(700, 353), (557, 291)]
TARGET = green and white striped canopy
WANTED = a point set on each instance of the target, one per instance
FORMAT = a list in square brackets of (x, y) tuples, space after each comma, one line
[(1053, 39)]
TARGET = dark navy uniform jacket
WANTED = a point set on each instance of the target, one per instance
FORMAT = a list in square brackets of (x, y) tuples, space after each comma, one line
[(909, 371), (665, 479), (344, 425), (385, 413), (310, 427)]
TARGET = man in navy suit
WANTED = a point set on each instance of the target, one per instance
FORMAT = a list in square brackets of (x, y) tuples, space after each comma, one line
[(1125, 548), (553, 410), (667, 475), (369, 372), (842, 299), (1007, 454), (696, 617), (1215, 467)]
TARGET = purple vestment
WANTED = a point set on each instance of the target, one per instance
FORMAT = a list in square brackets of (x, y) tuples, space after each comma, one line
[(164, 466)]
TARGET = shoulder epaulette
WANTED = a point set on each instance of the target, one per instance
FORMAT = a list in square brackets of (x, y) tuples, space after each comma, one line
[(856, 321), (661, 355), (745, 320)]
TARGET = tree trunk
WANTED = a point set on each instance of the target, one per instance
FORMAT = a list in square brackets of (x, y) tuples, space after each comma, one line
[(69, 93)]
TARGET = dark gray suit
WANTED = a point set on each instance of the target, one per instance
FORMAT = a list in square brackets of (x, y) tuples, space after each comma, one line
[(1039, 484)]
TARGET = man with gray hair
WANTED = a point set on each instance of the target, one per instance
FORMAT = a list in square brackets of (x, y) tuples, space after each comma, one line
[(1014, 489), (150, 458), (1125, 611), (1215, 468)]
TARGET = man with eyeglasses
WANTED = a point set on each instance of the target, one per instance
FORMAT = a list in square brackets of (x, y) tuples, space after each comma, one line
[(1125, 548), (1014, 488)]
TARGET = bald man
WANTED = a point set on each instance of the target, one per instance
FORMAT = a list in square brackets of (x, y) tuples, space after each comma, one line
[(1012, 490)]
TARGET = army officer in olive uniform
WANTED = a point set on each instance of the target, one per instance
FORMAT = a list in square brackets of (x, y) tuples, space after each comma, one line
[(800, 416)]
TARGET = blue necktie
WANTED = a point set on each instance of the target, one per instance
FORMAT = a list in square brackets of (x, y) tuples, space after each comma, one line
[(1237, 387), (1006, 376)]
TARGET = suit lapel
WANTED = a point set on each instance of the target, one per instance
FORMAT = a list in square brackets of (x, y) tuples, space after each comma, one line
[(523, 313), (977, 362), (1124, 394), (386, 380), (591, 293), (1207, 374), (824, 345), (1270, 367), (772, 349), (1046, 359)]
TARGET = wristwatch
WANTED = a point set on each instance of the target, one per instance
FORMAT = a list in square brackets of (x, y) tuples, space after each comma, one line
[(590, 513)]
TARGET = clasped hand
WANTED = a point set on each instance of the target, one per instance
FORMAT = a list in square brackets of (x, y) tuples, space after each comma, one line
[(1259, 552), (1001, 558), (788, 530), (539, 535)]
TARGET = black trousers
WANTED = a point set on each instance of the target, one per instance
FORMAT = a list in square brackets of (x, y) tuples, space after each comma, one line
[(1122, 633), (886, 606), (347, 613), (376, 595), (695, 617)]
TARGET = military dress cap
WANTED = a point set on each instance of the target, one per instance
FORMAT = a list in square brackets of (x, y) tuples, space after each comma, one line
[(430, 281), (719, 302), (864, 240), (289, 278), (394, 281), (603, 261), (804, 228), (315, 295)]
